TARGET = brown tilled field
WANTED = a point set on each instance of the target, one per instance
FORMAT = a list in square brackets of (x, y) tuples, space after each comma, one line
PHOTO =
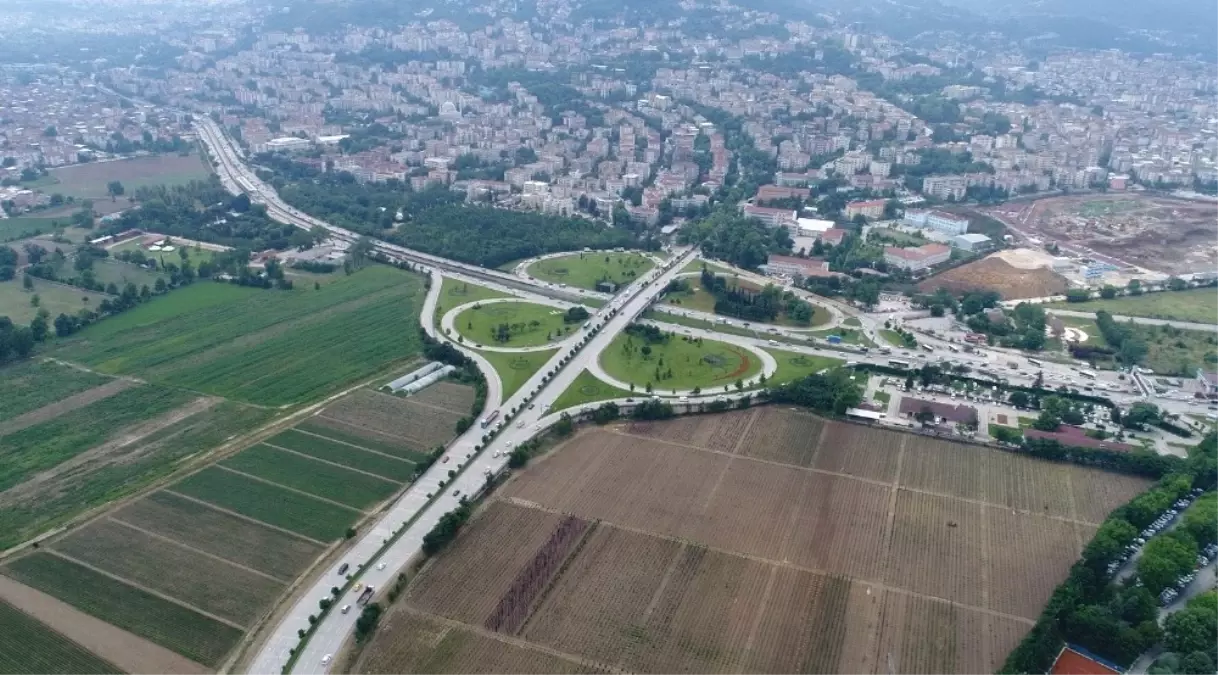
[(996, 274), (765, 540)]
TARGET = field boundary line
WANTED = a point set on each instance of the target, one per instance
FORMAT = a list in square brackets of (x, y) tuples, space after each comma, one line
[(747, 653), (655, 597), (796, 513), (1078, 539), (159, 594), (289, 489), (64, 406), (410, 400), (820, 441), (508, 639), (255, 521), (322, 414), (754, 413), (795, 566), (197, 551), (862, 479), (710, 494), (890, 521), (334, 464), (986, 552), (350, 445)]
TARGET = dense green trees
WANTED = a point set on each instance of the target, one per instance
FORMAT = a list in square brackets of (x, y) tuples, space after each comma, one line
[(1166, 558), (1201, 520), (834, 391), (744, 242), (764, 305), (446, 528), (1130, 348)]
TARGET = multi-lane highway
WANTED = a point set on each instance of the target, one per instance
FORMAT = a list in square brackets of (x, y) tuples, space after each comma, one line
[(423, 503)]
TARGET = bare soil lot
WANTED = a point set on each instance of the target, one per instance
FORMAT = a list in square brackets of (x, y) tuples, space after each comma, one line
[(1164, 234), (864, 551), (89, 181), (995, 274)]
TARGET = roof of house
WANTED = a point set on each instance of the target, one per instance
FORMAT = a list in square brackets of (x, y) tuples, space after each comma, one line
[(867, 203), (1073, 661), (958, 413), (812, 267), (833, 235)]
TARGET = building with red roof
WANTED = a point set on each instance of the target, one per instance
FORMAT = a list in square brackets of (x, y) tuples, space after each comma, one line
[(1078, 661)]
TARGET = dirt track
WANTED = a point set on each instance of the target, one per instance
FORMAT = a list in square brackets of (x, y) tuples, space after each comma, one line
[(130, 652), (995, 274)]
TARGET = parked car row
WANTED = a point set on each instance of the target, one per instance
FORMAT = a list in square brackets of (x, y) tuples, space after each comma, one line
[(1161, 523)]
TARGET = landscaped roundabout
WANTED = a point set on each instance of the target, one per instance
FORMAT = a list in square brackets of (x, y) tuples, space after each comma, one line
[(511, 323), (654, 360)]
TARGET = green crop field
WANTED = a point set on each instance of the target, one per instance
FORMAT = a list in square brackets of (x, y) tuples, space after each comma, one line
[(43, 446), (170, 625), (455, 293), (516, 368), (63, 496), (269, 504), (529, 325), (18, 304), (348, 487), (29, 385), (27, 646), (261, 346), (679, 363), (585, 270), (356, 458), (1198, 305), (374, 444), (22, 227), (114, 272), (587, 389), (207, 584), (89, 181), (274, 552), (793, 365)]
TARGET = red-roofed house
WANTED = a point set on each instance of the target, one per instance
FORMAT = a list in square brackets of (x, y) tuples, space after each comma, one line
[(767, 192), (919, 258), (1072, 661)]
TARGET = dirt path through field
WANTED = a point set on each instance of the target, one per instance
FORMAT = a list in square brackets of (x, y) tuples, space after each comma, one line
[(130, 652), (53, 410), (110, 452)]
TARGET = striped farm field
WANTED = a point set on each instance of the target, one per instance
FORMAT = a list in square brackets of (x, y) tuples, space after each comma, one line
[(379, 442), (276, 506), (30, 384), (224, 535), (168, 624), (765, 540), (213, 586), (28, 646), (348, 455), (353, 488)]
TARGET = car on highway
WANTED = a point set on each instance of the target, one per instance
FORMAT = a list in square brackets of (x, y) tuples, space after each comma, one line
[(346, 608), (357, 586), (456, 492), (325, 660)]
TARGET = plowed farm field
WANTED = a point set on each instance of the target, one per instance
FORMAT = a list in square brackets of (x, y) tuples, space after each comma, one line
[(763, 540)]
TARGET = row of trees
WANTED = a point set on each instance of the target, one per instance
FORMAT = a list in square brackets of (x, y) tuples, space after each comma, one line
[(1130, 349), (1117, 622), (744, 242)]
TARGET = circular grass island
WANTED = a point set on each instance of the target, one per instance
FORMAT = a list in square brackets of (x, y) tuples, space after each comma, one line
[(513, 324), (587, 269), (669, 361)]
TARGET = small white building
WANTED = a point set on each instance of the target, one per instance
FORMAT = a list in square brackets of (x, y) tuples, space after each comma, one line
[(971, 242)]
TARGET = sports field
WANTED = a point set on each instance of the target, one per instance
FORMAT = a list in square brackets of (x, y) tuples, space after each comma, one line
[(90, 181), (680, 362), (761, 540), (585, 270), (513, 324), (261, 346)]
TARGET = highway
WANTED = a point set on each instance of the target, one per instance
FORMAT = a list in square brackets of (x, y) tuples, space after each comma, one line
[(416, 510)]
